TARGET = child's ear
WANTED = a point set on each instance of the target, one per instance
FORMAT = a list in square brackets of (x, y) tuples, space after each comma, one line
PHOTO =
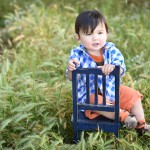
[(77, 37)]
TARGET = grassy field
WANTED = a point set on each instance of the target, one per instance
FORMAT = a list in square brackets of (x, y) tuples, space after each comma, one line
[(35, 96)]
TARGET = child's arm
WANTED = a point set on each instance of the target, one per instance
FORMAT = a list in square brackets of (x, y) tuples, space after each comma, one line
[(117, 59), (72, 66)]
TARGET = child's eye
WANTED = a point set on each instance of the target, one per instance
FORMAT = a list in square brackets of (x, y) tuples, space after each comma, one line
[(88, 33), (100, 33)]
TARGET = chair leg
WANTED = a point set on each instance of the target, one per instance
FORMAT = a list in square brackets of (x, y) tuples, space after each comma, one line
[(117, 134), (76, 136)]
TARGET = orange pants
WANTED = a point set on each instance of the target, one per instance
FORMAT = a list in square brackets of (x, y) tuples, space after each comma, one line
[(128, 98)]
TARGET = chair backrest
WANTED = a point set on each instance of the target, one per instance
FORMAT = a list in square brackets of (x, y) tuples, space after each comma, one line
[(87, 106)]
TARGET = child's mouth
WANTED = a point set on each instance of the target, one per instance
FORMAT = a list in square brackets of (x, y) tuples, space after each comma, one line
[(95, 44)]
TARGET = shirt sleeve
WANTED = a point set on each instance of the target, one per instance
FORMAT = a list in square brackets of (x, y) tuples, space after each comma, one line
[(118, 59)]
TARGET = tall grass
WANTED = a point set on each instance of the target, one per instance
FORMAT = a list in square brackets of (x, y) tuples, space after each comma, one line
[(35, 97)]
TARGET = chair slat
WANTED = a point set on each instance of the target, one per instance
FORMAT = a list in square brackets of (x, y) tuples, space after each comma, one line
[(104, 89), (96, 89), (87, 89)]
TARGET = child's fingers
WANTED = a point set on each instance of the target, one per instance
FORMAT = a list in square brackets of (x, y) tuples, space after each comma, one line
[(71, 68), (112, 68), (74, 60), (107, 69), (72, 64), (99, 67)]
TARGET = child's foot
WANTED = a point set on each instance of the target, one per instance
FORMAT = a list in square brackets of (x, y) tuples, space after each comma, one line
[(130, 122), (128, 119), (143, 130), (147, 128)]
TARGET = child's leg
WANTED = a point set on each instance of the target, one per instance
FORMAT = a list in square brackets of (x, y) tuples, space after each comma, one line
[(138, 111), (94, 114), (130, 100), (125, 116)]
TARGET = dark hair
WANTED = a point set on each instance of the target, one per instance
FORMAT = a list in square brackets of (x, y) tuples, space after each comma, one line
[(88, 20)]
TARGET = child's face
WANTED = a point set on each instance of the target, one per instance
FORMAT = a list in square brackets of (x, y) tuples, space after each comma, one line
[(94, 41)]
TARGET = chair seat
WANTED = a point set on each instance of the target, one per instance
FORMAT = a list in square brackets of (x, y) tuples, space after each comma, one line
[(98, 123)]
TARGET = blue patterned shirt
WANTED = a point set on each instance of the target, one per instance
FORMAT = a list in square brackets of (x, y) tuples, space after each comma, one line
[(111, 55)]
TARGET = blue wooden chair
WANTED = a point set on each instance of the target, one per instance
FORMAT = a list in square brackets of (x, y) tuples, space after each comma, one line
[(80, 121)]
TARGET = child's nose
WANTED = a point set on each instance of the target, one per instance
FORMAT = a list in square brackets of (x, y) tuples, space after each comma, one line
[(95, 37)]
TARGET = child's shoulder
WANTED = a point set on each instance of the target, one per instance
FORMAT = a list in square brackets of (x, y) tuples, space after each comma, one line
[(109, 45), (78, 49)]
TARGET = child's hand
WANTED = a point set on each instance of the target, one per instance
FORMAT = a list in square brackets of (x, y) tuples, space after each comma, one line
[(71, 64), (107, 68)]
